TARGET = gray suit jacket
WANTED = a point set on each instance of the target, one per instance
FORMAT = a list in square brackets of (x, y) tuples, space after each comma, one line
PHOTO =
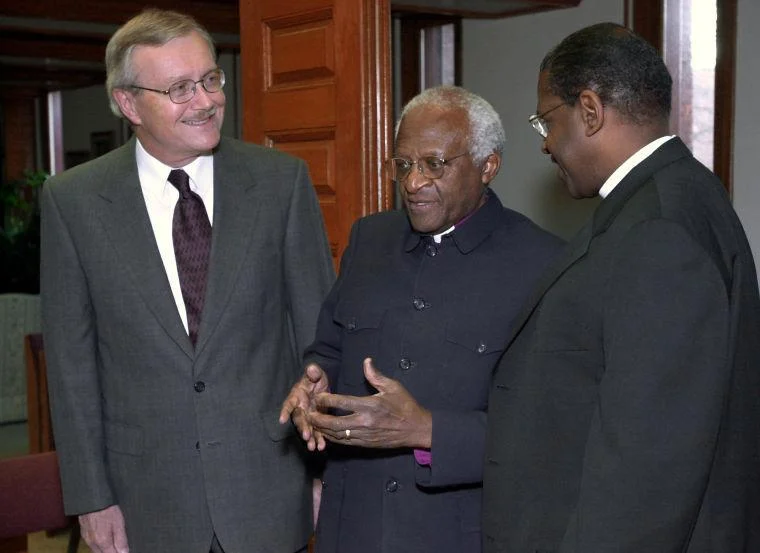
[(186, 441), (625, 414)]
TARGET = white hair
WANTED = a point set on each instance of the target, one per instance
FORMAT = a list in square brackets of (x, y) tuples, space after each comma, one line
[(486, 131)]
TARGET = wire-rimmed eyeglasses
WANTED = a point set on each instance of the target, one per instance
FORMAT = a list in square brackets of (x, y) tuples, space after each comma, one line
[(539, 123), (182, 92), (431, 167)]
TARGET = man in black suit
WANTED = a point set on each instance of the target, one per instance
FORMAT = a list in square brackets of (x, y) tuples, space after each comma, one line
[(428, 295), (625, 414)]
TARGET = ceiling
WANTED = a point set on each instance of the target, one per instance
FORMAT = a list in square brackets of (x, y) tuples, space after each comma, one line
[(59, 44)]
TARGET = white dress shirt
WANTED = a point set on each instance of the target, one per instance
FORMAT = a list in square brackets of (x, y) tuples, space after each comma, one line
[(628, 165), (160, 198)]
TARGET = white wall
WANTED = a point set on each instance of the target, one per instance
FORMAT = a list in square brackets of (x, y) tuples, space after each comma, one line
[(746, 180), (500, 59)]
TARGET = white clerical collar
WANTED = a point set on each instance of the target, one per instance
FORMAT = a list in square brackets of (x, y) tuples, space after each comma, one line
[(437, 237), (628, 165)]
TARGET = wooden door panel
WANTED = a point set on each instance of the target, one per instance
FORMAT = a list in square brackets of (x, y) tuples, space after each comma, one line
[(316, 83), (300, 49), (307, 107), (318, 150)]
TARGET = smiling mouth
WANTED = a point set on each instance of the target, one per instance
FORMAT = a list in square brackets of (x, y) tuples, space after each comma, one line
[(420, 204), (200, 120)]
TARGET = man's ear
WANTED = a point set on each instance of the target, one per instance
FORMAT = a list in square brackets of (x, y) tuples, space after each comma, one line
[(126, 102), (491, 167), (592, 111)]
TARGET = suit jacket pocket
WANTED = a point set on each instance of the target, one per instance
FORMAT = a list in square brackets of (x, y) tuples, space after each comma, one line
[(470, 355), (124, 438), (276, 431), (478, 340), (361, 324)]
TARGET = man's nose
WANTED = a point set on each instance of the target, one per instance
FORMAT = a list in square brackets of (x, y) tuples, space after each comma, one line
[(544, 149), (202, 98), (415, 179)]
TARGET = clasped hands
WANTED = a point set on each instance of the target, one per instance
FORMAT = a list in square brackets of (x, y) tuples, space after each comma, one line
[(387, 419)]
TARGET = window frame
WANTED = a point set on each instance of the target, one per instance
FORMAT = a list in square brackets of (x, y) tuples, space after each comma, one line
[(646, 18)]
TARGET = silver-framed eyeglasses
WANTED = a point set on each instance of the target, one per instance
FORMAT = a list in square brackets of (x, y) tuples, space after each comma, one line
[(539, 123), (182, 92), (431, 167)]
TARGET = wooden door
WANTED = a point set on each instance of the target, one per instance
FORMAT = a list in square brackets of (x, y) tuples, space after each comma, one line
[(316, 83)]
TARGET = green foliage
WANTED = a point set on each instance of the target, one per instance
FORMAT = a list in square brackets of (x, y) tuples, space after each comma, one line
[(20, 234)]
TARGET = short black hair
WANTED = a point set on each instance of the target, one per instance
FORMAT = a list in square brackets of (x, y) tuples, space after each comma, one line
[(625, 71)]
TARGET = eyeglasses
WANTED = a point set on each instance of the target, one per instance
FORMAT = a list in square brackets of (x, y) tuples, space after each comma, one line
[(182, 92), (539, 123), (431, 167)]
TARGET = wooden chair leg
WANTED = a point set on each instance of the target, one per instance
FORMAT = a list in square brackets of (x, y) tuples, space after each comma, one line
[(74, 538)]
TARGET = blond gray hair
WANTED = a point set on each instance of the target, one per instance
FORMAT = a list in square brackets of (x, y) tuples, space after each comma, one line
[(152, 27)]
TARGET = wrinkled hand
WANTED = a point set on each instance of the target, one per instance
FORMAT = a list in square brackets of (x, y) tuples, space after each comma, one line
[(301, 400), (104, 531), (390, 418)]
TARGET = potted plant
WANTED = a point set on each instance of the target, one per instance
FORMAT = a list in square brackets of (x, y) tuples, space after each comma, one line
[(20, 234)]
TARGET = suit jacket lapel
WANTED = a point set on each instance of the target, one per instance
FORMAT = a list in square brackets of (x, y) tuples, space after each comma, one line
[(234, 210), (127, 224), (603, 216), (576, 249)]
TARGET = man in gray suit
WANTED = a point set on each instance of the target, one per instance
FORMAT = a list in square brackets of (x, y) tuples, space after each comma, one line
[(170, 344)]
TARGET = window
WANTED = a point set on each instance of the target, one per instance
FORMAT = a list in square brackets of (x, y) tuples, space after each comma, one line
[(698, 41), (689, 49)]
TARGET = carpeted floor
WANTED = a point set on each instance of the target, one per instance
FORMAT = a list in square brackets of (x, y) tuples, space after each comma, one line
[(42, 543)]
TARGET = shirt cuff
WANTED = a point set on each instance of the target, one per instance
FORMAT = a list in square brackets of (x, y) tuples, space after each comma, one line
[(423, 457)]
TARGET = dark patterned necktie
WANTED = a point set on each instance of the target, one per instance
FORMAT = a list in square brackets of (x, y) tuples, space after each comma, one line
[(191, 234)]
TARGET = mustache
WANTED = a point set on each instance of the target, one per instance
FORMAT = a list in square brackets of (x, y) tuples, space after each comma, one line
[(202, 115)]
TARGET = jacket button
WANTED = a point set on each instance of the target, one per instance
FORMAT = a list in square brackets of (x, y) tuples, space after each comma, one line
[(482, 347), (431, 250), (419, 304), (405, 364), (200, 386), (391, 486), (351, 324)]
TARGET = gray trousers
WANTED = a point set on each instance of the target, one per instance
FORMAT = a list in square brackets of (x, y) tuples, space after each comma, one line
[(216, 548)]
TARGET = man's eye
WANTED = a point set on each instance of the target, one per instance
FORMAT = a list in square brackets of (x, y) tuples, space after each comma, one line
[(434, 162), (182, 87), (403, 164)]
